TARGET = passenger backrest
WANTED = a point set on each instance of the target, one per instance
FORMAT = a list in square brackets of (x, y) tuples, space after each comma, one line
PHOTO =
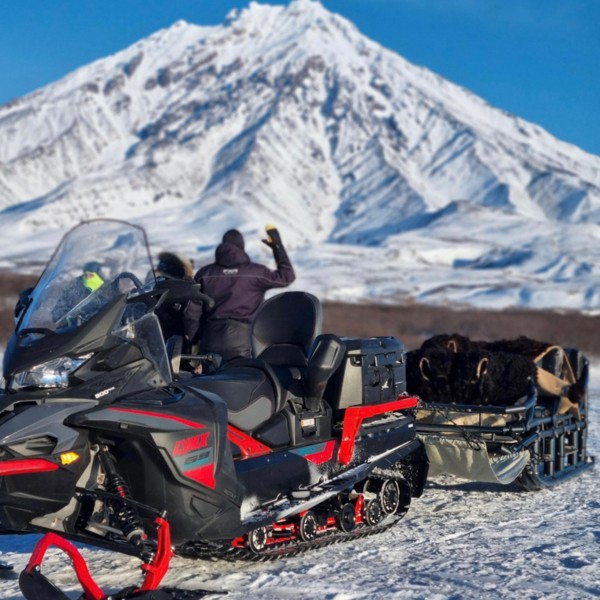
[(285, 327), (325, 358)]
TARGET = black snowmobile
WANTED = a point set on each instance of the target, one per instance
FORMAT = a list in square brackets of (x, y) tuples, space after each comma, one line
[(104, 433)]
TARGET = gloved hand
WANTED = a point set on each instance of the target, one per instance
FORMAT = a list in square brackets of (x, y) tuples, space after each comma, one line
[(273, 238), (279, 254)]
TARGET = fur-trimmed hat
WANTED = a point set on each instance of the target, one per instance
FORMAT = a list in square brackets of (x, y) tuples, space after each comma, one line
[(174, 266)]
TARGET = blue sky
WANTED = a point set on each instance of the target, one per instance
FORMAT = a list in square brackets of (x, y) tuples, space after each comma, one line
[(539, 59)]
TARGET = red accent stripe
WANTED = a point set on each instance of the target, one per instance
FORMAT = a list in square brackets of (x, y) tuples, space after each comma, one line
[(355, 415), (318, 458), (249, 447), (147, 413), (204, 475), (23, 466)]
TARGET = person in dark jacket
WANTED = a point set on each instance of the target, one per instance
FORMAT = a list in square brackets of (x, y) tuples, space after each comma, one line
[(173, 266), (238, 287)]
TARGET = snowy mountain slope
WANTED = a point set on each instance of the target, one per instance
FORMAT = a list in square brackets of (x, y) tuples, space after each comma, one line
[(290, 115)]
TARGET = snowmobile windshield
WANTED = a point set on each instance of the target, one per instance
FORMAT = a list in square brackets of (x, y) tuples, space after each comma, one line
[(95, 262)]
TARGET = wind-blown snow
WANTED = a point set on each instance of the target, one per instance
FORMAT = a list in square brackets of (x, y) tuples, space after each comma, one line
[(459, 540), (387, 182)]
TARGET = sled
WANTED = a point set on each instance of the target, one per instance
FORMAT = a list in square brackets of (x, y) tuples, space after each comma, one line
[(534, 443)]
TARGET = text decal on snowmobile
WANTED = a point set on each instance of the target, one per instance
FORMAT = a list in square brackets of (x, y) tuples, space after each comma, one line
[(195, 459), (190, 444)]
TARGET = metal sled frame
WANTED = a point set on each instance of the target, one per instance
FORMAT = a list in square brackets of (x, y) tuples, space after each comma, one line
[(557, 443)]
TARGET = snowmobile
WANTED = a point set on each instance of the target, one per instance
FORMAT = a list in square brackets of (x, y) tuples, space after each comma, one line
[(105, 428), (534, 439)]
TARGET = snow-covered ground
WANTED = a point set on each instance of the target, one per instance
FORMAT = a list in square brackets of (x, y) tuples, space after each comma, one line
[(459, 540)]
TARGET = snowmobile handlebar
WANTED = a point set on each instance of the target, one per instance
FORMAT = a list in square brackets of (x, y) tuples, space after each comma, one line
[(174, 291)]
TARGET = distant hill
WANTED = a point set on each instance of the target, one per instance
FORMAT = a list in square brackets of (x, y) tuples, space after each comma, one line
[(412, 324)]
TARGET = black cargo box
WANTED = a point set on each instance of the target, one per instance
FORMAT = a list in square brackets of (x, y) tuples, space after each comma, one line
[(373, 371)]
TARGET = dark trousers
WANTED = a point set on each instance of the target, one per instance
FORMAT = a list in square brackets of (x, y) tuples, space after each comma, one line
[(228, 337)]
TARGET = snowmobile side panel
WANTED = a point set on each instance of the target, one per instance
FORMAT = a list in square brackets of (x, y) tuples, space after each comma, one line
[(180, 446), (355, 415)]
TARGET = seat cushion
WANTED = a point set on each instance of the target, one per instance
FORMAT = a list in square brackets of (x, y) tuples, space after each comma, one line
[(247, 392)]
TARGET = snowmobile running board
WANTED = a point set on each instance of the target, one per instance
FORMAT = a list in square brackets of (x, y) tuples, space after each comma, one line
[(366, 500), (304, 500)]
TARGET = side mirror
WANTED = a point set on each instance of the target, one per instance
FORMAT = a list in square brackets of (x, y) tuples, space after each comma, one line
[(22, 302)]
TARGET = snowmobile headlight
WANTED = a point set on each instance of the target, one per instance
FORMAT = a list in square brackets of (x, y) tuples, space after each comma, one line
[(52, 374)]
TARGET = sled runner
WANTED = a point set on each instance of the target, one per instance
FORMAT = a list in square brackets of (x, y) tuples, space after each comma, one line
[(102, 428), (488, 431)]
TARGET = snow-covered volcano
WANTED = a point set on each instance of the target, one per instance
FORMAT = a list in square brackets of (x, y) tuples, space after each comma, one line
[(388, 182)]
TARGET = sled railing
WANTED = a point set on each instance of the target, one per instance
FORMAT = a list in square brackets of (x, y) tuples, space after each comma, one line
[(556, 443)]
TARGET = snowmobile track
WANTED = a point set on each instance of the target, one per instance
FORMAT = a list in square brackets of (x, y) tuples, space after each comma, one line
[(292, 548)]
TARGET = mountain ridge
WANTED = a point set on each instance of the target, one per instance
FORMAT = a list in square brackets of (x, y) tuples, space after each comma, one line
[(290, 114)]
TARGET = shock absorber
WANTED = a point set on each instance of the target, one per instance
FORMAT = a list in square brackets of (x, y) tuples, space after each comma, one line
[(125, 514)]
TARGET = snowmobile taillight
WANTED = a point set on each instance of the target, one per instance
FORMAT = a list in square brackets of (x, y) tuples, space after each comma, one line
[(52, 374), (26, 465)]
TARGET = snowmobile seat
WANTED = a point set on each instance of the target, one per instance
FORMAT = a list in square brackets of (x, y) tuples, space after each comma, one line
[(285, 327), (282, 334), (285, 336), (291, 363), (249, 389)]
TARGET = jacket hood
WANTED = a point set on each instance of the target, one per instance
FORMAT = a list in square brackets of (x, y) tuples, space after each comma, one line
[(230, 255), (233, 236)]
